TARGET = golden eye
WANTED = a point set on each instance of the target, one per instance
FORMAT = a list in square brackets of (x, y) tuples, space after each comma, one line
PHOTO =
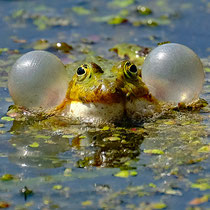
[(81, 71), (130, 70)]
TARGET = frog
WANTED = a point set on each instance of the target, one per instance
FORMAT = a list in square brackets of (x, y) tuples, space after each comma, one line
[(102, 91)]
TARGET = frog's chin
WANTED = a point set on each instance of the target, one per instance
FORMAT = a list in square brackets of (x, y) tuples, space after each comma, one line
[(97, 113), (141, 109)]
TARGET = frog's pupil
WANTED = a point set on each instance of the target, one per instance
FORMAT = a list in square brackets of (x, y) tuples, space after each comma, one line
[(80, 71), (133, 69)]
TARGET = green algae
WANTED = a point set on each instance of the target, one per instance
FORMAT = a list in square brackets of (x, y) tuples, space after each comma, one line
[(81, 11), (154, 151), (125, 174), (121, 3), (8, 119), (144, 10), (134, 53)]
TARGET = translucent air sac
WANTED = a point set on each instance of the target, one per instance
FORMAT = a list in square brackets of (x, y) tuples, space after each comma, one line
[(38, 79), (173, 73)]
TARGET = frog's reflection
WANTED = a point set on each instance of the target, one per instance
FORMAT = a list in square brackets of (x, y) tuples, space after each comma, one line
[(84, 146)]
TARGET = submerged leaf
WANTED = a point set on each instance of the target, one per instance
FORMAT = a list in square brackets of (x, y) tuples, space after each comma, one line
[(41, 44), (158, 205), (200, 200), (42, 22), (134, 53), (81, 10), (87, 203), (67, 172), (7, 118), (34, 145), (152, 185), (204, 149), (207, 69), (18, 13), (144, 10), (105, 128), (121, 3), (42, 137), (126, 173), (4, 204), (68, 136), (7, 177), (201, 186), (3, 50), (112, 138), (117, 20), (57, 187), (154, 151)]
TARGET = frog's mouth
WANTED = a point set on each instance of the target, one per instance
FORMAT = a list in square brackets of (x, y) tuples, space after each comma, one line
[(104, 103)]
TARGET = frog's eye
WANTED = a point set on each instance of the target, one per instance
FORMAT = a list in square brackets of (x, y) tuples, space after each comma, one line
[(130, 70), (81, 71)]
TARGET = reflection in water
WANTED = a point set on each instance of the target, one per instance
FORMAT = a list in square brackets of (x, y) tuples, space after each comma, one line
[(52, 142), (89, 146), (109, 148)]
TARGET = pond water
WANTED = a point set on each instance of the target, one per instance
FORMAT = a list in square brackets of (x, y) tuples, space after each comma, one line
[(163, 164)]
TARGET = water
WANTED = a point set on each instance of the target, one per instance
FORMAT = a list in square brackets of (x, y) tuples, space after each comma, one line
[(159, 164)]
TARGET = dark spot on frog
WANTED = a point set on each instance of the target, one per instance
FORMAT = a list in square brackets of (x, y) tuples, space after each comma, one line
[(97, 67)]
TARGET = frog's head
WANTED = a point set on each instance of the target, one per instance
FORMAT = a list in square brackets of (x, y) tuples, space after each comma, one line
[(95, 95), (99, 95), (139, 103), (93, 84)]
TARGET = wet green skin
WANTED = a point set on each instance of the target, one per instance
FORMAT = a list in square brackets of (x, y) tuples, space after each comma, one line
[(106, 87), (106, 82)]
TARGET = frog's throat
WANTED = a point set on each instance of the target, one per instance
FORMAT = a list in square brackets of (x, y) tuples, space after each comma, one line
[(98, 113)]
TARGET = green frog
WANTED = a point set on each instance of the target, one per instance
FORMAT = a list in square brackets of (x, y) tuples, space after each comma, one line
[(104, 91)]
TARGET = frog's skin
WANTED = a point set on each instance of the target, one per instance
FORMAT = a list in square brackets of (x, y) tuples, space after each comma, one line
[(107, 94), (139, 104)]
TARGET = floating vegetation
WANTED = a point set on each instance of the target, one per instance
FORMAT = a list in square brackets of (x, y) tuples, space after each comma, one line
[(159, 164), (134, 53), (42, 22), (8, 119), (7, 177), (121, 3), (26, 192), (144, 10), (81, 11), (34, 145), (153, 151), (126, 173)]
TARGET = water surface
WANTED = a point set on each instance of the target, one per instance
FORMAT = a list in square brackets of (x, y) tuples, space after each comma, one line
[(154, 165)]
